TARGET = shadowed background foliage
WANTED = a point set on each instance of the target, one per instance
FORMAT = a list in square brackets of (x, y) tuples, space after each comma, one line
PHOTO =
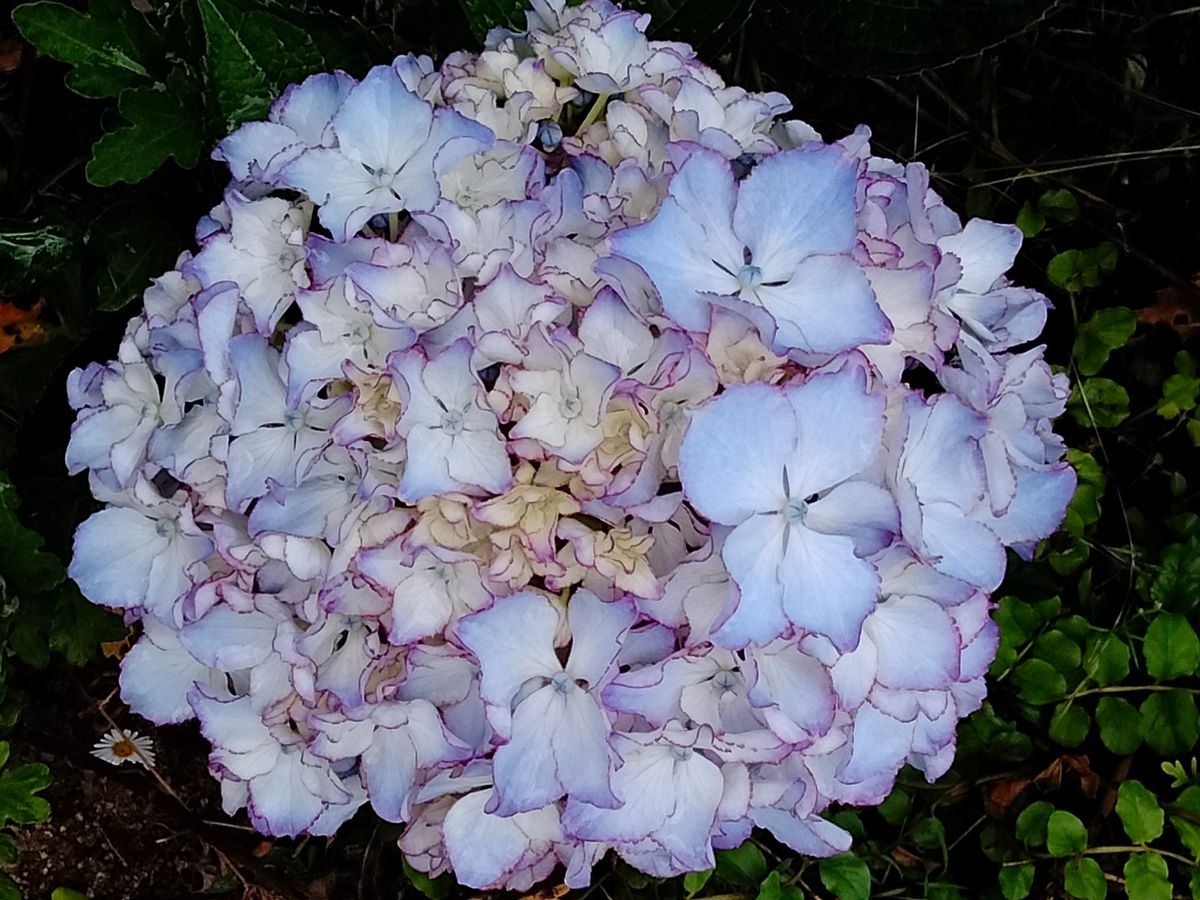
[(1079, 120)]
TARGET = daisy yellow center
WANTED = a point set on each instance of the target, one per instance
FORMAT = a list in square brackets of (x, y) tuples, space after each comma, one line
[(124, 749)]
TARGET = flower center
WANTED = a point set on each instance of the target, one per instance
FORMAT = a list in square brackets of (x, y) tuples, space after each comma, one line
[(671, 413), (452, 422), (293, 418), (124, 749), (681, 754), (750, 277), (571, 407), (795, 511), (359, 333), (724, 680), (164, 528), (286, 260), (562, 683), (382, 177)]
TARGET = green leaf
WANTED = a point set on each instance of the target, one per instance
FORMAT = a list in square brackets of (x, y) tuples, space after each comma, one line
[(8, 848), (930, 834), (9, 889), (1083, 878), (1106, 660), (162, 124), (1059, 205), (773, 888), (250, 56), (744, 866), (111, 47), (1188, 829), (484, 15), (19, 787), (63, 893), (1169, 722), (1100, 402), (1016, 881), (1139, 812), (1038, 682), (29, 252), (1017, 619), (1031, 823), (1065, 834), (1171, 648), (1084, 508), (1059, 650), (78, 627), (434, 888), (846, 876), (694, 882), (1176, 587), (895, 807), (1069, 725), (1031, 221), (25, 568), (1120, 725), (1096, 339), (1074, 270), (1146, 877), (1179, 395)]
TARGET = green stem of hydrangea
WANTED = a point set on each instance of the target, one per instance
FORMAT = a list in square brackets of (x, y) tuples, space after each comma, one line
[(593, 113)]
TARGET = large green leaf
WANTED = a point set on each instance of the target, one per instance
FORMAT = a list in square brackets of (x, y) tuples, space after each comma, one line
[(484, 15), (162, 124), (63, 622), (846, 876), (250, 56), (1176, 587), (28, 251), (1139, 812), (111, 46), (1171, 647), (18, 791), (25, 567)]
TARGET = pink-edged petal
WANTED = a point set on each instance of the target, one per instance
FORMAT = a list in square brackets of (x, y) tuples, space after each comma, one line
[(812, 836), (827, 589), (862, 511), (899, 625), (828, 306), (597, 629), (1038, 507), (753, 554), (733, 455), (230, 640), (961, 547), (798, 685), (839, 427), (485, 849), (986, 251), (513, 641), (157, 674), (798, 203)]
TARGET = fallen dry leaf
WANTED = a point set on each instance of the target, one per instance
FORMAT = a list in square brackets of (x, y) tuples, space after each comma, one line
[(1176, 307), (19, 326)]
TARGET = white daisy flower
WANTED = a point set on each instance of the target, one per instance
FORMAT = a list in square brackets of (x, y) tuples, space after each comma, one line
[(119, 747)]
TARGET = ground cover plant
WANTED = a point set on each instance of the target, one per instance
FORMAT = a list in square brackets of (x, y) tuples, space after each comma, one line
[(1075, 775)]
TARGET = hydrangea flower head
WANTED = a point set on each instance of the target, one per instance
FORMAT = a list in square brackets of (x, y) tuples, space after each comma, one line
[(546, 476)]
